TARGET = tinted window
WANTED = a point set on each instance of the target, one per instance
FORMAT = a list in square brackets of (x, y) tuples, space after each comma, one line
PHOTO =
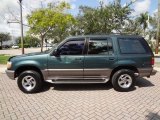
[(131, 46), (72, 48), (100, 47)]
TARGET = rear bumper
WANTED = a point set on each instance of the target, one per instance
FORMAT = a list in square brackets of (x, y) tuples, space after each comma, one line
[(153, 72), (146, 72), (10, 74)]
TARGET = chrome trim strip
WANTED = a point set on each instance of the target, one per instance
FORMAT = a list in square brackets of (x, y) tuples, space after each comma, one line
[(77, 69)]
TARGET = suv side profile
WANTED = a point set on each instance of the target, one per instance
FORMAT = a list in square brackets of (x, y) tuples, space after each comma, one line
[(85, 59)]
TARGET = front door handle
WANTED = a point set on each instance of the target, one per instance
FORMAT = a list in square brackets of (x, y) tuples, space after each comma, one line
[(111, 58), (78, 59)]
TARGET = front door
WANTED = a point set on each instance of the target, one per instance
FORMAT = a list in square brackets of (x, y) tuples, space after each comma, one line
[(69, 63), (99, 58)]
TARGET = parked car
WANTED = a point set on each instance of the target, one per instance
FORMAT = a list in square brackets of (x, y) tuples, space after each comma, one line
[(119, 59), (15, 46), (6, 46)]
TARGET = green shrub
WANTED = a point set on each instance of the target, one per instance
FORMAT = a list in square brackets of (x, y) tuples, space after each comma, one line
[(25, 45)]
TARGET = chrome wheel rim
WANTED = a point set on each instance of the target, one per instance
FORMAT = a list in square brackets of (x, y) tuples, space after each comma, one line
[(28, 83), (125, 81)]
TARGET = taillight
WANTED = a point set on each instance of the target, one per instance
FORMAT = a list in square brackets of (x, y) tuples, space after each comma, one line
[(152, 61)]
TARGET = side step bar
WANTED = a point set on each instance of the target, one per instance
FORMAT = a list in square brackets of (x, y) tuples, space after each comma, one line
[(78, 81)]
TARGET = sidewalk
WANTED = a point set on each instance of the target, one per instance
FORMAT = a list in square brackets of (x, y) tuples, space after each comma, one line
[(157, 55), (3, 68), (157, 68)]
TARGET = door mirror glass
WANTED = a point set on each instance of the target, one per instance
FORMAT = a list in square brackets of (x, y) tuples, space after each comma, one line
[(56, 53)]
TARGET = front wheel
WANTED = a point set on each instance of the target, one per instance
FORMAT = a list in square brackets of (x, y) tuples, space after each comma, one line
[(29, 81), (123, 80)]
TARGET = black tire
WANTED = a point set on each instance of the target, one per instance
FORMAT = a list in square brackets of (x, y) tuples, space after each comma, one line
[(117, 78), (35, 78)]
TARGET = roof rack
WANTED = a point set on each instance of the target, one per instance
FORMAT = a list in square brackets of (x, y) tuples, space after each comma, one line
[(124, 33)]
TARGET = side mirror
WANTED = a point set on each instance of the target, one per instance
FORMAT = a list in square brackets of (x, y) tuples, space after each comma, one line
[(56, 53)]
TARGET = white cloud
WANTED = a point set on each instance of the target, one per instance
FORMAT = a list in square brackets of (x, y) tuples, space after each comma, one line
[(106, 2), (73, 6), (155, 11), (141, 7)]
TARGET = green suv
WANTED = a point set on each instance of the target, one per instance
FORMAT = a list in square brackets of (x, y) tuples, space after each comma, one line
[(119, 59)]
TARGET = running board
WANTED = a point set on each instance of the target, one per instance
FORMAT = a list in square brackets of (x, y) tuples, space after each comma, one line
[(78, 81)]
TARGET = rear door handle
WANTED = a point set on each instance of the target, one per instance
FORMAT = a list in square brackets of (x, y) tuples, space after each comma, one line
[(78, 59)]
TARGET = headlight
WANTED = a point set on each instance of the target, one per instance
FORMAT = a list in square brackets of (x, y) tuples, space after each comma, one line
[(9, 65)]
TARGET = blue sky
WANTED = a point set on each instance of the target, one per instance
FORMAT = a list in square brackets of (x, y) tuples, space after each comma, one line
[(145, 5)]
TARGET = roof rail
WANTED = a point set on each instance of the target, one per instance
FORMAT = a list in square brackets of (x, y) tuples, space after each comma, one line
[(124, 33)]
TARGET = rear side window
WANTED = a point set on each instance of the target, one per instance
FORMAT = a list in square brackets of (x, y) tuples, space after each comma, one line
[(131, 46), (100, 46)]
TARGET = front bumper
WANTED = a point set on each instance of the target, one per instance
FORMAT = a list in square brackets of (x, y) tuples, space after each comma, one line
[(10, 74)]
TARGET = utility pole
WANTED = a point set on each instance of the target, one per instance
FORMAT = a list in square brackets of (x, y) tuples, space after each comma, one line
[(158, 28), (21, 21)]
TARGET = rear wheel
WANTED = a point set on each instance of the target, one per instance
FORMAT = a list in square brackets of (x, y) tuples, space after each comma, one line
[(123, 80), (29, 81)]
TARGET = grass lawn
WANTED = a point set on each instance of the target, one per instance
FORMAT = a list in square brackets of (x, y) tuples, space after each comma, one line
[(3, 59)]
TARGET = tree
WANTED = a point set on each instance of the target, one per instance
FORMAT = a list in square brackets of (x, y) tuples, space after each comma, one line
[(132, 27), (45, 21), (101, 20), (4, 37), (142, 19), (29, 41)]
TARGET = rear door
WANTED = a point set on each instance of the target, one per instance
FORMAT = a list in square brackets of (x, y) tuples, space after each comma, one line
[(99, 58)]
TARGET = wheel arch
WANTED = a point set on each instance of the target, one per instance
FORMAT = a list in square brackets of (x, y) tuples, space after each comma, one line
[(21, 69), (130, 67)]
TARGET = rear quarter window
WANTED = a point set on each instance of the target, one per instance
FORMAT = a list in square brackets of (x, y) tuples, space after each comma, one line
[(131, 46)]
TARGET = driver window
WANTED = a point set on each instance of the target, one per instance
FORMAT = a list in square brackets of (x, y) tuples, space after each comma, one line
[(74, 47)]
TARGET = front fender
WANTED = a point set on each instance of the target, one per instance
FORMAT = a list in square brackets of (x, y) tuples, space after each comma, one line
[(28, 63)]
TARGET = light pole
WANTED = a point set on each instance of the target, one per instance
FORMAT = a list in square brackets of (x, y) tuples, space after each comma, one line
[(21, 21), (158, 28)]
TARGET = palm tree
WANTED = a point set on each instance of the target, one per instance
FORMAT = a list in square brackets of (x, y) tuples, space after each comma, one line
[(117, 2), (142, 20)]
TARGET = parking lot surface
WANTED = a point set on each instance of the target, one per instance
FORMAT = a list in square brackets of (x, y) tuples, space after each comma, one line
[(81, 102)]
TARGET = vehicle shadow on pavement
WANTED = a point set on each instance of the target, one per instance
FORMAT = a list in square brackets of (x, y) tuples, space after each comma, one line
[(152, 116), (143, 82), (77, 87)]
